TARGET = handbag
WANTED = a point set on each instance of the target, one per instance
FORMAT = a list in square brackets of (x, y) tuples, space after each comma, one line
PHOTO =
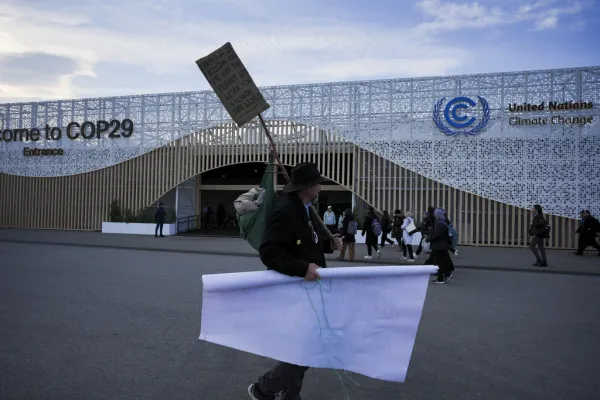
[(411, 228)]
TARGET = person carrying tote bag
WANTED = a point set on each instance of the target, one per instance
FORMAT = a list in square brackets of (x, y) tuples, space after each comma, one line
[(408, 229)]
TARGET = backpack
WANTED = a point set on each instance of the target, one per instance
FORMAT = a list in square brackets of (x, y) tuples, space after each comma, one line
[(352, 228), (376, 227), (547, 229), (449, 238)]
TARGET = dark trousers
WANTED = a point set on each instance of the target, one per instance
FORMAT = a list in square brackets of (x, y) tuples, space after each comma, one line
[(420, 247), (332, 229), (585, 241), (385, 239), (370, 247), (285, 378), (159, 225), (409, 248), (540, 251), (442, 259)]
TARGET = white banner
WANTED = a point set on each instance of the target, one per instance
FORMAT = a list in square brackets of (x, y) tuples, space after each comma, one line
[(359, 319)]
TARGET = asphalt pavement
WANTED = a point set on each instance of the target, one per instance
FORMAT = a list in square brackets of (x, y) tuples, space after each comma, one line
[(82, 322), (497, 258)]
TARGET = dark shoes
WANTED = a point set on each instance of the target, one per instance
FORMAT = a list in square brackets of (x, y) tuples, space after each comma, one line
[(255, 394), (540, 263)]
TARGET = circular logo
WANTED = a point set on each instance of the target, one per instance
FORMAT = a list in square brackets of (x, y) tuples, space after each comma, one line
[(457, 116)]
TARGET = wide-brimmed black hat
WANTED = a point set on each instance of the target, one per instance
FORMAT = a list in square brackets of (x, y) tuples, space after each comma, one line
[(304, 175)]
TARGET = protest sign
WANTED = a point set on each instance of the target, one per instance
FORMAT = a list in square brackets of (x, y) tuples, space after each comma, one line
[(232, 83)]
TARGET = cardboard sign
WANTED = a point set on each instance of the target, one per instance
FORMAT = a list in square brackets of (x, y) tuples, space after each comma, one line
[(232, 83)]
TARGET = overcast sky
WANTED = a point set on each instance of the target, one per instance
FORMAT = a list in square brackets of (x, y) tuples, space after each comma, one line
[(60, 49)]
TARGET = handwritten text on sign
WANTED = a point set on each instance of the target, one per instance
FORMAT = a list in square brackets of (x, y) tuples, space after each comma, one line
[(233, 84)]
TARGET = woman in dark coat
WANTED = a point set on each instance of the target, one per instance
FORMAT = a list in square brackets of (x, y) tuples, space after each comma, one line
[(386, 228), (371, 240), (348, 239), (397, 226), (438, 242), (536, 234)]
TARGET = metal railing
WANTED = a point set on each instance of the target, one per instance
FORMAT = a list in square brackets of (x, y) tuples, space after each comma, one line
[(189, 223)]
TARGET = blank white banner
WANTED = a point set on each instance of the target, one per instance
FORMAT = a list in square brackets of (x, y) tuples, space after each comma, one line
[(359, 319)]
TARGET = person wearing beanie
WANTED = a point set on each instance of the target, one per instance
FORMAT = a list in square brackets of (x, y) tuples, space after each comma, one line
[(438, 243), (537, 234)]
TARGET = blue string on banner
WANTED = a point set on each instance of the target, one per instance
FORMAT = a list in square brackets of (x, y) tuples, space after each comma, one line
[(326, 332)]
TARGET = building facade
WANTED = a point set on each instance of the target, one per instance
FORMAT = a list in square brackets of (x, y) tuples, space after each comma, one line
[(485, 147)]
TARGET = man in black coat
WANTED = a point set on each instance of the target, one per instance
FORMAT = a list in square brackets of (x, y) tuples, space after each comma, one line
[(293, 244), (438, 243), (159, 217), (588, 232)]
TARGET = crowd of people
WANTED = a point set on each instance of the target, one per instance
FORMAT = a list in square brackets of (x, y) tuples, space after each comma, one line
[(435, 228)]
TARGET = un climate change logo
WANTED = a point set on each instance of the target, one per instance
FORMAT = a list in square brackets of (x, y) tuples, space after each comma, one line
[(460, 120)]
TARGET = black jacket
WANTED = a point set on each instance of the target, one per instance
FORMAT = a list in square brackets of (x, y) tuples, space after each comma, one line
[(385, 224), (368, 230), (589, 227), (426, 225), (159, 215), (538, 226), (397, 226), (288, 245), (438, 237)]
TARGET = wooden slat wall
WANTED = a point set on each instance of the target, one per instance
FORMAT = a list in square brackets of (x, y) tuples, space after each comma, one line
[(81, 202)]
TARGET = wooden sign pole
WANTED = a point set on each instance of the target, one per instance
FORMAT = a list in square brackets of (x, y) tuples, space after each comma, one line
[(287, 177), (273, 148)]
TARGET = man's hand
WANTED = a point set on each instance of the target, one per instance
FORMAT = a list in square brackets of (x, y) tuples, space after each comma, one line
[(337, 242), (311, 273)]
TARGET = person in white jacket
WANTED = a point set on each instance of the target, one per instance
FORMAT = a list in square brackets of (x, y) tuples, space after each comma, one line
[(329, 219), (408, 226)]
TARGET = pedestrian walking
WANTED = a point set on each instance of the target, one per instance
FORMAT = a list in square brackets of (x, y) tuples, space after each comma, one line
[(372, 229), (588, 232), (386, 227), (293, 245), (408, 229), (348, 232), (397, 222), (426, 226), (537, 234), (439, 240)]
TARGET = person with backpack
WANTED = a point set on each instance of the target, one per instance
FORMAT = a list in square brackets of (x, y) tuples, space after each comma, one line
[(372, 229), (588, 231), (538, 232), (454, 234), (439, 240), (348, 230)]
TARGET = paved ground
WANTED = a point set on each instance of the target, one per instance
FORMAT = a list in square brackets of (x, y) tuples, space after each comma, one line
[(106, 323), (560, 261)]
